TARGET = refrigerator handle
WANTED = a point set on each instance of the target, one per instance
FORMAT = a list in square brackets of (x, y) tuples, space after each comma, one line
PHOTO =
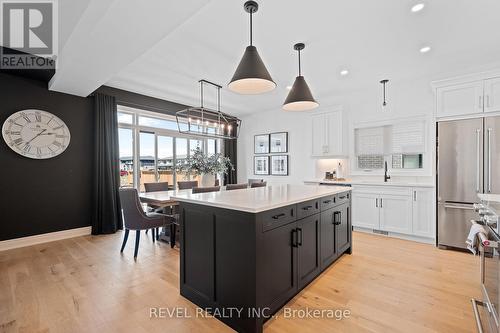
[(478, 159), (489, 160)]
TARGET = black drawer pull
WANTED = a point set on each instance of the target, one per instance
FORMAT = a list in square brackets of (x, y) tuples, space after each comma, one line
[(307, 207), (342, 197), (327, 201), (279, 216)]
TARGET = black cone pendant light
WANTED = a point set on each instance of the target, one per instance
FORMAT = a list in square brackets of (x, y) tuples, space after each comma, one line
[(251, 76), (300, 97)]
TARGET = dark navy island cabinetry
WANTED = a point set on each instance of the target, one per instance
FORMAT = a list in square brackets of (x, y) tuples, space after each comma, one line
[(243, 266)]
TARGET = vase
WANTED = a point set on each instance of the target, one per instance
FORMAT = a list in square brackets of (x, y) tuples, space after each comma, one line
[(207, 180)]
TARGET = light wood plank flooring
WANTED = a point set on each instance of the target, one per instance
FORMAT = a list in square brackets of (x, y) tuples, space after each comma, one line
[(84, 285)]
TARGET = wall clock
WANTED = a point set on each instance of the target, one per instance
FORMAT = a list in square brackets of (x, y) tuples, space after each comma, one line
[(36, 134)]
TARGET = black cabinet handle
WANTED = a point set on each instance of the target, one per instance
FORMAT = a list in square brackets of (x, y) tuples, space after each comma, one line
[(276, 217), (327, 201), (299, 233), (307, 207), (294, 238), (336, 221), (342, 197)]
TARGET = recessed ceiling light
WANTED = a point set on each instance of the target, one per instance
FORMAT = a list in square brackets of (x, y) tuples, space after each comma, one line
[(418, 7), (425, 49), (288, 87), (344, 72)]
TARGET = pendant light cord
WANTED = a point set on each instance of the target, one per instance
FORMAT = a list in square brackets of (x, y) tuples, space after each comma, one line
[(251, 28), (300, 68)]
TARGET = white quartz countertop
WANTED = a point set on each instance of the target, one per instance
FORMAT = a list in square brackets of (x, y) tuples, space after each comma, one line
[(369, 183), (260, 199)]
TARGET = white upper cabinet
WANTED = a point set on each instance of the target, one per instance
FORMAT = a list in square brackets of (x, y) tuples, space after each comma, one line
[(461, 99), (423, 212), (492, 95), (328, 134)]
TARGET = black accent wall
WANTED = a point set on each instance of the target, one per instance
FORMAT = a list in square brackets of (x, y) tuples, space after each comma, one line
[(40, 196)]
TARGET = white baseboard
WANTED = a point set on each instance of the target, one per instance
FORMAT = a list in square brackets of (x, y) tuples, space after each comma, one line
[(400, 236), (43, 238)]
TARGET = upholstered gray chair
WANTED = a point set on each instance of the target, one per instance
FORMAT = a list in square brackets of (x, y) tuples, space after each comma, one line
[(187, 184), (156, 187), (252, 181), (134, 218), (206, 189), (261, 184), (230, 187)]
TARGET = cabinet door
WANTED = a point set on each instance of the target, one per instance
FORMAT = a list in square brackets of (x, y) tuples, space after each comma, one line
[(319, 144), (328, 245), (334, 133), (279, 269), (423, 220), (365, 211), (492, 95), (308, 260), (460, 99), (343, 229), (396, 213)]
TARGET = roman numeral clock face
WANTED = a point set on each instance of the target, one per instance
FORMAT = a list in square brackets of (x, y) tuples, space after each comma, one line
[(36, 134)]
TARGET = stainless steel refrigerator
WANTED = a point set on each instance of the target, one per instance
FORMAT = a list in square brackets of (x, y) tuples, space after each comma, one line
[(468, 163)]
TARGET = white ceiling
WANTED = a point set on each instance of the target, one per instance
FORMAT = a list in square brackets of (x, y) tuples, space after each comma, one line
[(163, 49)]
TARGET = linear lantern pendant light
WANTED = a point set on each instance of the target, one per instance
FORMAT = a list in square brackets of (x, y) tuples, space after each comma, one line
[(300, 97), (202, 121), (251, 76)]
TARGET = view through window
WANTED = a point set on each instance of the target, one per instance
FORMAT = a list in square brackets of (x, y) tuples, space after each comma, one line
[(151, 148)]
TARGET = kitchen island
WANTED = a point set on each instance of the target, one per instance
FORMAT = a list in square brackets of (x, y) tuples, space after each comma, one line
[(246, 253)]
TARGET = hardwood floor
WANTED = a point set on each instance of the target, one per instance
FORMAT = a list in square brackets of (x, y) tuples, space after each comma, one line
[(84, 285)]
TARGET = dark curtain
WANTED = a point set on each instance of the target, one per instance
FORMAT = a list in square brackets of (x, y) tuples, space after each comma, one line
[(230, 150), (106, 213)]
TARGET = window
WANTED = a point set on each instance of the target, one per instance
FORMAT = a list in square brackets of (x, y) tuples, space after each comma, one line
[(401, 145), (159, 148)]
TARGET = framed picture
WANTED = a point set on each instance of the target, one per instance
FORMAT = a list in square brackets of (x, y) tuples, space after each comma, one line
[(279, 142), (279, 165), (261, 144), (261, 165)]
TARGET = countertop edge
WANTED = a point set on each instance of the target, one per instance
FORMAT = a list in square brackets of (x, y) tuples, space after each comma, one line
[(361, 183), (260, 210)]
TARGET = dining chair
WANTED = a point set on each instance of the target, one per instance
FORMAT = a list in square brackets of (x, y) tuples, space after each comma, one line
[(156, 187), (230, 187), (262, 184), (134, 218), (206, 189), (252, 181), (217, 182), (186, 184)]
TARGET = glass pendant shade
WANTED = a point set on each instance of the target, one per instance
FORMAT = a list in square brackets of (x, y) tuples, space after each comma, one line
[(251, 76), (300, 97)]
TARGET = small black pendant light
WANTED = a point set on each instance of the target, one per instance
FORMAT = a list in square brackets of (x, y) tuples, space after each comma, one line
[(384, 82), (300, 97), (251, 76)]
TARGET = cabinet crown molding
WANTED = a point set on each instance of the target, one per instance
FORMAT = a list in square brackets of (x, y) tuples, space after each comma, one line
[(465, 78)]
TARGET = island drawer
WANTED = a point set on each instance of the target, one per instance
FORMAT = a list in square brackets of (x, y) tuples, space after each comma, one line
[(328, 202), (307, 208), (277, 217), (343, 197)]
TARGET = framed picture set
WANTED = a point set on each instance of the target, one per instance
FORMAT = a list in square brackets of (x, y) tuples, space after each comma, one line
[(261, 165), (279, 142), (279, 165), (261, 144)]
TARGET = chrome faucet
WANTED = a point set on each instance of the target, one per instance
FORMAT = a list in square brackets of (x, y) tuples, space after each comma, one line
[(386, 177)]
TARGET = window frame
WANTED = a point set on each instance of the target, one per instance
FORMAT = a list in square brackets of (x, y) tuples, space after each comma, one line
[(136, 113)]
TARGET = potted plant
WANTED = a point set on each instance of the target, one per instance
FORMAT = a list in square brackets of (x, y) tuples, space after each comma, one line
[(206, 166)]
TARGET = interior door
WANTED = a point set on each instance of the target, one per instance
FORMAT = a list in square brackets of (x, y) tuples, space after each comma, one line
[(492, 155), (308, 254), (365, 210), (395, 213), (492, 95), (460, 160)]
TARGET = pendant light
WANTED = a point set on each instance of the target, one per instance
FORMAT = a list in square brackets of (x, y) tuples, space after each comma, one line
[(300, 97), (251, 76), (384, 82)]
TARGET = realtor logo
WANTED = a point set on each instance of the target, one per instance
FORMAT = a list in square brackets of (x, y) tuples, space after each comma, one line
[(29, 34)]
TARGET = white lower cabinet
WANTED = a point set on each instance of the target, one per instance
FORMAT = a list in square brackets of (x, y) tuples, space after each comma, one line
[(395, 213), (406, 211)]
